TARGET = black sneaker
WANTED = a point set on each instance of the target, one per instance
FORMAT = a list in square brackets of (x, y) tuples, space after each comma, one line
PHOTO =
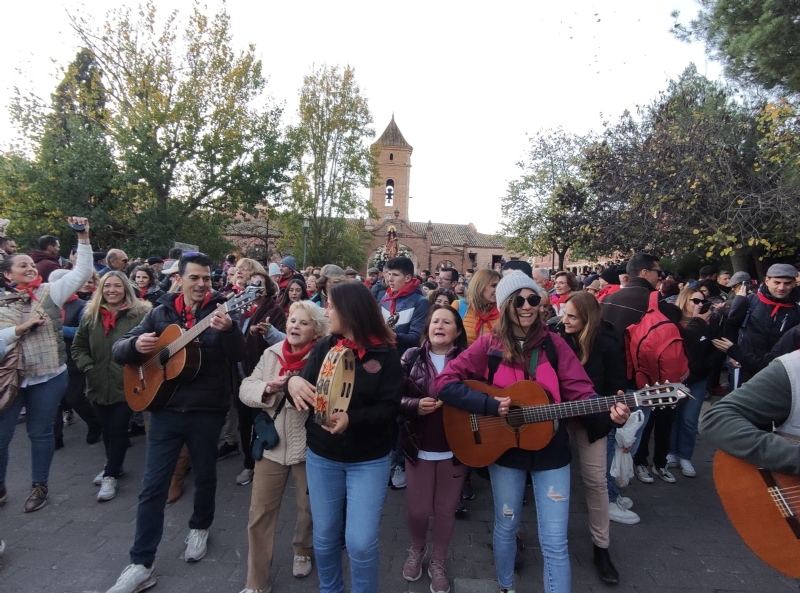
[(461, 510), (227, 450), (37, 498), (135, 430), (467, 493), (3, 495)]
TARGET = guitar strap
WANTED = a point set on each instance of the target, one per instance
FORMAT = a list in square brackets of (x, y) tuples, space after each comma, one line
[(549, 350)]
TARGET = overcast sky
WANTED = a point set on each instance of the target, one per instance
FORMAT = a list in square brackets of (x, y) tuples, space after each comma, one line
[(466, 81)]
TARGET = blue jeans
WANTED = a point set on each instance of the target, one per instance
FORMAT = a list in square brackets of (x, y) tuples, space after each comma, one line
[(684, 429), (551, 494), (363, 487), (41, 403), (168, 432)]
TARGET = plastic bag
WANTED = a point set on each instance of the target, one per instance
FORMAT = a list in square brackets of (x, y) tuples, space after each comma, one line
[(622, 464)]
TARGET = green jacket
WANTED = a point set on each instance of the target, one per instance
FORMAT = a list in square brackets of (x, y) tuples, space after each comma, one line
[(104, 381)]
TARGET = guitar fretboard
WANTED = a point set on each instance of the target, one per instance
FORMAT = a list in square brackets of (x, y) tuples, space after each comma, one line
[(531, 414)]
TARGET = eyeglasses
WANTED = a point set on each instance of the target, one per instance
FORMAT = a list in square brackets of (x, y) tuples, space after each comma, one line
[(698, 301), (124, 261), (533, 300)]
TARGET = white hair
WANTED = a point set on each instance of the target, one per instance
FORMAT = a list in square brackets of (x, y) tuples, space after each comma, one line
[(316, 313)]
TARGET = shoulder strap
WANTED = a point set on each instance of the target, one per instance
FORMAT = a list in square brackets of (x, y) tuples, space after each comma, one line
[(752, 302), (280, 407), (551, 352)]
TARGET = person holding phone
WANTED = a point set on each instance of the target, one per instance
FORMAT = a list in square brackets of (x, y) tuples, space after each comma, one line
[(699, 325)]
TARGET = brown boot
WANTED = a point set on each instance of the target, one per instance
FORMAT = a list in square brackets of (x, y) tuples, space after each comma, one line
[(182, 468)]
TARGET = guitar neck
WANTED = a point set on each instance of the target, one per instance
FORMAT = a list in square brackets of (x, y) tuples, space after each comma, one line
[(531, 414), (190, 335)]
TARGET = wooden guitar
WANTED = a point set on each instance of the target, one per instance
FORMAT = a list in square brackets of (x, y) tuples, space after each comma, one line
[(175, 360), (763, 507), (479, 440)]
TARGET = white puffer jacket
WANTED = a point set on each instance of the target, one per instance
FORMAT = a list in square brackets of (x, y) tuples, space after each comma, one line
[(290, 423)]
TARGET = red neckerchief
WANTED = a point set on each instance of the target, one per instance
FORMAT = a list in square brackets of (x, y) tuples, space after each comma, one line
[(142, 293), (607, 290), (31, 287), (360, 351), (777, 306), (250, 312), (293, 361), (186, 314), (488, 318), (63, 311), (407, 289), (284, 282), (109, 318)]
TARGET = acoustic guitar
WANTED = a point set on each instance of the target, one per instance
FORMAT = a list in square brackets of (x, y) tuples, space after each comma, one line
[(175, 360), (479, 440), (763, 507)]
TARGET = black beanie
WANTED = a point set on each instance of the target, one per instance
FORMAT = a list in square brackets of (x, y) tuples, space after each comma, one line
[(610, 275)]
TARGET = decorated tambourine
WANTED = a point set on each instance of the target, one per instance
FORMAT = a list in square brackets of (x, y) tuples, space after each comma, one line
[(334, 384)]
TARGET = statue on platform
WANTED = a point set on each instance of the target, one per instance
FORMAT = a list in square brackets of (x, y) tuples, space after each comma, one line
[(392, 244)]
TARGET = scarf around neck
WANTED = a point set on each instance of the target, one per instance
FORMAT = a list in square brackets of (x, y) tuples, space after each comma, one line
[(359, 351), (407, 289), (186, 313), (292, 362), (487, 318), (109, 319), (777, 305), (31, 287)]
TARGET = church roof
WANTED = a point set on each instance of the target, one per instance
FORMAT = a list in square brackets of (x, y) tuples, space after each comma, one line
[(392, 136), (457, 234)]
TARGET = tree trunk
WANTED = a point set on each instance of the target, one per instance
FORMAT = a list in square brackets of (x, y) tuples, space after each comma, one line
[(740, 260), (561, 256)]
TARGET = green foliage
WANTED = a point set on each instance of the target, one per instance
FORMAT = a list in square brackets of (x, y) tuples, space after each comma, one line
[(334, 165), (758, 41), (545, 209)]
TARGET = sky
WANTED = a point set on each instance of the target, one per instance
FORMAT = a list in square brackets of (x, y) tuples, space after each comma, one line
[(467, 82)]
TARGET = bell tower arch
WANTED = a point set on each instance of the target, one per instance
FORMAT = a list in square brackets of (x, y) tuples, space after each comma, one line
[(390, 192)]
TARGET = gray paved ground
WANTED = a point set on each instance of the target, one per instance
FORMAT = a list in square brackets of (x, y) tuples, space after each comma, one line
[(75, 544)]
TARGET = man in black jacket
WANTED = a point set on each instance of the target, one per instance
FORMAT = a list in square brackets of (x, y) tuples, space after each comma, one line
[(193, 416)]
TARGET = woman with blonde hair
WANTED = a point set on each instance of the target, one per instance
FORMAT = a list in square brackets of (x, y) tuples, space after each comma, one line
[(245, 268), (482, 311), (114, 310), (263, 390)]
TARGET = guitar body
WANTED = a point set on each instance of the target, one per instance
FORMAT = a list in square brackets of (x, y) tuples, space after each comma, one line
[(749, 496), (478, 440), (150, 385)]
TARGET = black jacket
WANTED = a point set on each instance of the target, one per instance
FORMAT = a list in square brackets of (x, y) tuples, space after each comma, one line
[(374, 405), (607, 371), (210, 390), (628, 305), (753, 363), (703, 357)]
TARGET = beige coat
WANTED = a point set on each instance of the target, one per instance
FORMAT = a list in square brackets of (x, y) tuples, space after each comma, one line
[(290, 423)]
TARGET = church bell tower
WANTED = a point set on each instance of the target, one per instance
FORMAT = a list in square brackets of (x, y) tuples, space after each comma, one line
[(394, 170)]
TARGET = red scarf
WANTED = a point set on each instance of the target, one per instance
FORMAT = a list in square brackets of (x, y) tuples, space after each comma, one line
[(607, 290), (777, 306), (109, 319), (63, 311), (186, 313), (283, 282), (488, 318), (31, 287), (142, 293), (407, 289), (359, 350), (293, 362)]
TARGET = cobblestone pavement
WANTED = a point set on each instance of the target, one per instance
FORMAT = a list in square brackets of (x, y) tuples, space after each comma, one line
[(75, 544)]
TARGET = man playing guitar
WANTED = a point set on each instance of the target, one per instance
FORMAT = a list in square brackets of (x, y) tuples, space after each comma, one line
[(194, 415)]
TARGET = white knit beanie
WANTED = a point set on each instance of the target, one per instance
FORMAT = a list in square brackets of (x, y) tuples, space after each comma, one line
[(512, 283)]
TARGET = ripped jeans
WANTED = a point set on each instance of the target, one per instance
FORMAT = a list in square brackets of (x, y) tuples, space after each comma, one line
[(551, 495)]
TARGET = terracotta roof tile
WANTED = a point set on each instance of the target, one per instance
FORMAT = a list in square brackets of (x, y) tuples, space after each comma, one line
[(457, 234), (392, 136)]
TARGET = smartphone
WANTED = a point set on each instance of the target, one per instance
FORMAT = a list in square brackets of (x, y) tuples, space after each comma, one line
[(705, 307), (78, 228)]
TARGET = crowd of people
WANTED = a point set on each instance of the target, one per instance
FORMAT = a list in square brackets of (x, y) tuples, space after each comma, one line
[(68, 328)]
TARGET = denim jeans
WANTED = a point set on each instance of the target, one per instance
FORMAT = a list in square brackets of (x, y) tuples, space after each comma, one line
[(168, 432), (363, 486), (41, 402), (114, 418), (551, 495), (684, 429)]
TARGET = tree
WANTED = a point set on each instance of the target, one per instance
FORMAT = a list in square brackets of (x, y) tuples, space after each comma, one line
[(334, 165), (690, 176), (188, 120), (758, 41), (545, 208)]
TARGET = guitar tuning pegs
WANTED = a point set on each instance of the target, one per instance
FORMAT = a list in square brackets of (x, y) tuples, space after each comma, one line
[(656, 383)]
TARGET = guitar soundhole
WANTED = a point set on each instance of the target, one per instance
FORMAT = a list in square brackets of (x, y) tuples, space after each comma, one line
[(515, 418)]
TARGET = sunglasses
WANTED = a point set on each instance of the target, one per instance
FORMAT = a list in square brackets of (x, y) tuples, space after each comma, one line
[(533, 300), (698, 301)]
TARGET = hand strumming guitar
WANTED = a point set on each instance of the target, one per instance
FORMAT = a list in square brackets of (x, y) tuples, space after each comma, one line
[(146, 343), (220, 320)]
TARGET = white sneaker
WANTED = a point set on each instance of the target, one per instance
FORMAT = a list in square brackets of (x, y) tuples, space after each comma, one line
[(619, 514), (2, 547), (245, 477), (98, 479), (624, 502), (302, 566), (267, 590), (672, 460), (687, 469), (398, 478), (643, 474), (68, 418), (134, 578), (196, 545), (108, 490), (664, 474)]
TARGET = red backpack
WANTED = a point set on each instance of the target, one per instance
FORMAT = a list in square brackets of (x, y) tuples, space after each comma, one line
[(654, 349)]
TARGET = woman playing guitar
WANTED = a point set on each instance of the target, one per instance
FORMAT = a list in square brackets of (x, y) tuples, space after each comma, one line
[(519, 339)]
